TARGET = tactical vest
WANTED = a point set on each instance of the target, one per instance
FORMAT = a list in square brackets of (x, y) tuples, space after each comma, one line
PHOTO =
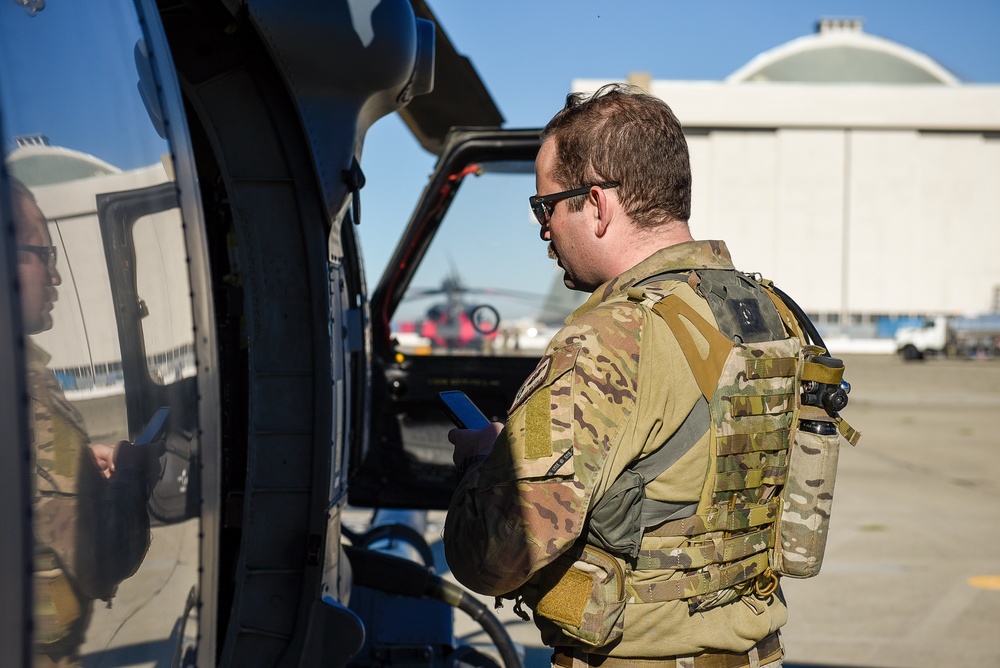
[(765, 506), (59, 449)]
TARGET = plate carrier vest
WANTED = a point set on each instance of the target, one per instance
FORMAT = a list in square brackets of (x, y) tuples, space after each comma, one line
[(765, 507)]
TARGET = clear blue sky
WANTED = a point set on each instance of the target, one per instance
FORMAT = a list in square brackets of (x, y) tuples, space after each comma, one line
[(528, 53), (91, 109)]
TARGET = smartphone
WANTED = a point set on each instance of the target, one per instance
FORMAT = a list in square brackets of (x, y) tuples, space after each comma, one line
[(462, 411), (153, 431)]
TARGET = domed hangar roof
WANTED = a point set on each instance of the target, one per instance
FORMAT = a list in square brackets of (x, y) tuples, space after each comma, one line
[(37, 163), (841, 52)]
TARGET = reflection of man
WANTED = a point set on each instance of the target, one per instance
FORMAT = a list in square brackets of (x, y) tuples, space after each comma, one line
[(539, 510), (91, 525)]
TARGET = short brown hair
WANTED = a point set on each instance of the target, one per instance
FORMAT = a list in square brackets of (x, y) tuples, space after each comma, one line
[(23, 226), (623, 134)]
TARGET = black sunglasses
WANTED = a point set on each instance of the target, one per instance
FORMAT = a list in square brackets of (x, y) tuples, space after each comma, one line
[(47, 254), (543, 205)]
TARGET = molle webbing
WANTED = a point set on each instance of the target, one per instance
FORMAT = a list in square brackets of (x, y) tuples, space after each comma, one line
[(745, 406), (720, 519), (751, 383), (757, 442), (717, 551), (733, 473), (710, 579), (811, 370), (708, 369)]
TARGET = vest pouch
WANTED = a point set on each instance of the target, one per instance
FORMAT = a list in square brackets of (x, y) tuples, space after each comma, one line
[(614, 523), (807, 497), (584, 595), (57, 606)]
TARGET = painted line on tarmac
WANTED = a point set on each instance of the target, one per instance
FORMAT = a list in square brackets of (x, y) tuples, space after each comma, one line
[(986, 582)]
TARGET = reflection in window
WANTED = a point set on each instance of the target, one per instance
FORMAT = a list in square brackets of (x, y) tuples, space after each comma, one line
[(161, 283), (485, 263), (75, 131), (91, 524)]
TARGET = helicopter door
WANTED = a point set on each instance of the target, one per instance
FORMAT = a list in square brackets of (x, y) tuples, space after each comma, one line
[(468, 302), (144, 249)]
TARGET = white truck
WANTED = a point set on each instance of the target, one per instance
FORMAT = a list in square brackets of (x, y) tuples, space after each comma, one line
[(951, 336)]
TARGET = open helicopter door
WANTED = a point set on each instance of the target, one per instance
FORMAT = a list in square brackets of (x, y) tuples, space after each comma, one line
[(461, 306), (157, 368)]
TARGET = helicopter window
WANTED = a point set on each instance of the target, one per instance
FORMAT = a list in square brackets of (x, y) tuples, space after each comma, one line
[(161, 285), (485, 286), (108, 335)]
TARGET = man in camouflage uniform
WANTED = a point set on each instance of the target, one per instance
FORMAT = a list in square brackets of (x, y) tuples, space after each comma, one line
[(90, 519), (612, 387)]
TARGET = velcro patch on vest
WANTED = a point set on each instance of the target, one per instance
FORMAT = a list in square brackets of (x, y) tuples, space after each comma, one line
[(748, 316), (67, 447), (57, 607), (567, 600), (538, 432)]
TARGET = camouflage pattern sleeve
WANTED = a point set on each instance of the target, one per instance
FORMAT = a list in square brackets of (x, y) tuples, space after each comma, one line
[(526, 504)]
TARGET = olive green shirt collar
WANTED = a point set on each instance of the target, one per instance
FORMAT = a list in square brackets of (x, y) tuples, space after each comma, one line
[(679, 257)]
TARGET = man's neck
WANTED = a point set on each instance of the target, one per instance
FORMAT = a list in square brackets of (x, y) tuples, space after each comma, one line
[(643, 242)]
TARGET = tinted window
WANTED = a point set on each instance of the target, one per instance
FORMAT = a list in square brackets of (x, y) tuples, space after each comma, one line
[(486, 285)]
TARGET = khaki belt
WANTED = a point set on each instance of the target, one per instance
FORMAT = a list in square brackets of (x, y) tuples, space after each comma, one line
[(768, 649)]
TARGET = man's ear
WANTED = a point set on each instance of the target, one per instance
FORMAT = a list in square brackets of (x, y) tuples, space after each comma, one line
[(603, 210)]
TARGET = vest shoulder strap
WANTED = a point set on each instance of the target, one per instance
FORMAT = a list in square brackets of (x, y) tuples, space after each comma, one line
[(707, 370)]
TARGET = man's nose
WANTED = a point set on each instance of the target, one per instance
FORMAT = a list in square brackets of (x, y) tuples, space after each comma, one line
[(543, 232), (54, 275)]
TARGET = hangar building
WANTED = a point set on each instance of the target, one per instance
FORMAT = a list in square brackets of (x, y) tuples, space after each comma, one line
[(858, 174)]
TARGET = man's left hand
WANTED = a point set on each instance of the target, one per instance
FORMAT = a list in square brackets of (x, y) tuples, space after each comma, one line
[(104, 457), (472, 442)]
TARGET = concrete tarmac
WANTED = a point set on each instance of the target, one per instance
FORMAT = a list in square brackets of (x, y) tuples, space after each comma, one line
[(911, 577), (912, 571)]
